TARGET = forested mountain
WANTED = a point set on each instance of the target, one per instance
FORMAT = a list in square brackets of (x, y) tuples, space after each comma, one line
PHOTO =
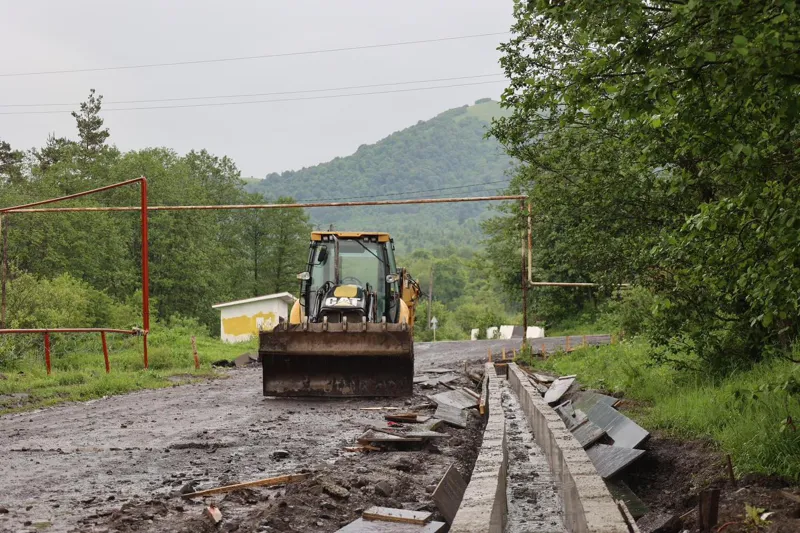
[(445, 156)]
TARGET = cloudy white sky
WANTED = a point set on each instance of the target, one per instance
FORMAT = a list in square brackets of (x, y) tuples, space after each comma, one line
[(38, 35)]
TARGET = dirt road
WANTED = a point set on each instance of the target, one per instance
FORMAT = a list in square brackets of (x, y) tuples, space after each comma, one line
[(73, 466)]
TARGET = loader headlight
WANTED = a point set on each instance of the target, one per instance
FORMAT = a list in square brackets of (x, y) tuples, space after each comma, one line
[(392, 278)]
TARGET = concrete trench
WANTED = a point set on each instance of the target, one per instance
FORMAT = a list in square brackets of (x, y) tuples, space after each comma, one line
[(531, 474)]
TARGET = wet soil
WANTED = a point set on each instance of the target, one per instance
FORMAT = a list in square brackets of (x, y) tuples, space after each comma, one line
[(118, 464), (669, 477)]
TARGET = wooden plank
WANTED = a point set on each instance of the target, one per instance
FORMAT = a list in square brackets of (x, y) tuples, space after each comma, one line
[(437, 370), (420, 379), (471, 393), (484, 395), (268, 482), (449, 493), (452, 415), (387, 514), (372, 526), (411, 418), (424, 434), (379, 408)]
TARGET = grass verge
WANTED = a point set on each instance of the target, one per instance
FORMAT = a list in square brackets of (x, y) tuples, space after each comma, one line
[(78, 372), (745, 413)]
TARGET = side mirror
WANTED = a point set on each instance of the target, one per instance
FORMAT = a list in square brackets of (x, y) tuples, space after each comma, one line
[(304, 276), (322, 255), (392, 278)]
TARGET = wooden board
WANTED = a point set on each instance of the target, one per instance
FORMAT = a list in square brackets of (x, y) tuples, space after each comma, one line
[(423, 434), (420, 379), (455, 398), (268, 482), (372, 526), (449, 493), (388, 514), (436, 370), (452, 415), (471, 393)]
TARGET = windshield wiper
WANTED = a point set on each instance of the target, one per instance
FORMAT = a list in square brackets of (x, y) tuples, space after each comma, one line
[(370, 251)]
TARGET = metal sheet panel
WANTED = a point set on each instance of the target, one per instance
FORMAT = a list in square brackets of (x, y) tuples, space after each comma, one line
[(624, 431), (609, 460)]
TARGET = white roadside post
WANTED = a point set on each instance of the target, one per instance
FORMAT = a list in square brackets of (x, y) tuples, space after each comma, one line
[(434, 323)]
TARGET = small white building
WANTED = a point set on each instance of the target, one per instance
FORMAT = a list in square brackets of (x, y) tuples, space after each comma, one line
[(243, 319)]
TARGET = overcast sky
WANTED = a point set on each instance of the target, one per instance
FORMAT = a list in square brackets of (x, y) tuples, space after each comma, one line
[(41, 35)]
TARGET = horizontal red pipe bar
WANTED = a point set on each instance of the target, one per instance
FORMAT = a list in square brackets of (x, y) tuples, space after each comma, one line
[(23, 209), (71, 196), (71, 330)]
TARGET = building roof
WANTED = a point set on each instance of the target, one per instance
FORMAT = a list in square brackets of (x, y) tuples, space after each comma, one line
[(285, 296)]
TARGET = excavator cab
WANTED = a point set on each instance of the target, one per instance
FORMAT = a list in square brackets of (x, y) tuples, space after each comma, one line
[(351, 331)]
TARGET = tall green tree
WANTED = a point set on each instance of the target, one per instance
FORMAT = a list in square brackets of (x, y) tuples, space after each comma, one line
[(681, 119)]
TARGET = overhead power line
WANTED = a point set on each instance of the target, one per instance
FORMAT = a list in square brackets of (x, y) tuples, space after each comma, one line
[(221, 104), (249, 58), (253, 95), (376, 196)]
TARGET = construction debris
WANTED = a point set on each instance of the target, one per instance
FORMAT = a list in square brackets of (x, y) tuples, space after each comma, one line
[(213, 513), (387, 514), (449, 493), (379, 408), (408, 418), (624, 431), (609, 460), (361, 448), (268, 482), (542, 378), (454, 416), (456, 398), (558, 389), (372, 526)]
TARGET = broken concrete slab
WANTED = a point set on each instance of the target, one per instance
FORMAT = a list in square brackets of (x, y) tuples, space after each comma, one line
[(558, 389), (610, 460), (542, 378), (589, 398), (587, 433), (246, 359), (421, 379), (449, 492)]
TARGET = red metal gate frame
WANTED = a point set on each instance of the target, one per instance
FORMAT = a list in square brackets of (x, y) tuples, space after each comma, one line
[(142, 181), (144, 209)]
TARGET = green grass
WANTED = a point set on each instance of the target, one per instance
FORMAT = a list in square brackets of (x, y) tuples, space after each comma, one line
[(698, 406), (78, 372)]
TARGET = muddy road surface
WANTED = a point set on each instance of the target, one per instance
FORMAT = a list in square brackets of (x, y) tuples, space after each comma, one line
[(118, 464)]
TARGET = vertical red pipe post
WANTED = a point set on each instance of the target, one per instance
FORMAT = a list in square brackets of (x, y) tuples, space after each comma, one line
[(47, 351), (145, 273), (105, 351), (194, 351)]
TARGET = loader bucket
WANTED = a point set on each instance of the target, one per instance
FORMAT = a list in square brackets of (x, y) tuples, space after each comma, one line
[(319, 359)]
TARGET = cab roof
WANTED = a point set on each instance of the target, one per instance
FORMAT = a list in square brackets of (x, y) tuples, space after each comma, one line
[(382, 236)]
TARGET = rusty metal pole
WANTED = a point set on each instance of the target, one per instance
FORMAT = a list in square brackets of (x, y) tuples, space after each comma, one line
[(4, 224), (47, 351), (105, 351), (524, 284), (145, 273)]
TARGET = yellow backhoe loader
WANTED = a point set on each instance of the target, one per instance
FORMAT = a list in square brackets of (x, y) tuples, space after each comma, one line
[(351, 331)]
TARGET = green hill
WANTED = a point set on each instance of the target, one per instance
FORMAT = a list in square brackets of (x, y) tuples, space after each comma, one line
[(445, 156)]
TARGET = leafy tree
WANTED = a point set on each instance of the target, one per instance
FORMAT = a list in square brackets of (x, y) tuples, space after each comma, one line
[(665, 133)]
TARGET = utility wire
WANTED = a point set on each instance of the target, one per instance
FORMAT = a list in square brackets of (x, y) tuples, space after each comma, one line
[(220, 104), (252, 95), (376, 197), (248, 58)]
